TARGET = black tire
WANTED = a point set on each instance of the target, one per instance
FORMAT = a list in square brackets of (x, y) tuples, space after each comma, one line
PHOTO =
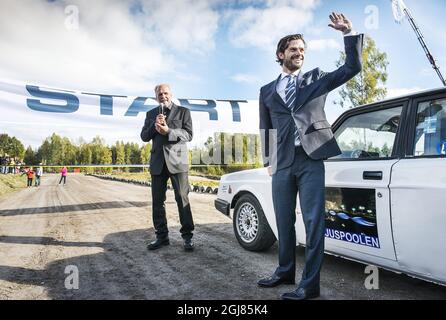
[(248, 214)]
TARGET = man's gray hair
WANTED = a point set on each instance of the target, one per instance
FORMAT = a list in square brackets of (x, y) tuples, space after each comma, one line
[(157, 87)]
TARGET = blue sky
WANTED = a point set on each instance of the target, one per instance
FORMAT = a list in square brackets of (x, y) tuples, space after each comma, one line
[(408, 67), (215, 71), (204, 48)]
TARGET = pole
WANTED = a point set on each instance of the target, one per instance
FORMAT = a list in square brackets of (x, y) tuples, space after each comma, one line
[(423, 44)]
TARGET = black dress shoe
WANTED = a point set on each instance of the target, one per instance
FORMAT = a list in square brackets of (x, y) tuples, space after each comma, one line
[(188, 245), (158, 243), (274, 281), (301, 294)]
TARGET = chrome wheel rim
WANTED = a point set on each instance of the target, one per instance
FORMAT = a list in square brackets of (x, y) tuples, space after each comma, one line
[(247, 222)]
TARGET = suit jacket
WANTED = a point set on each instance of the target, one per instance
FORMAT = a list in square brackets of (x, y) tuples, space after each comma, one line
[(307, 114), (170, 149)]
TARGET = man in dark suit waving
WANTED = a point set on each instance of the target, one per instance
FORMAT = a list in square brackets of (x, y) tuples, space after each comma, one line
[(296, 138), (169, 127)]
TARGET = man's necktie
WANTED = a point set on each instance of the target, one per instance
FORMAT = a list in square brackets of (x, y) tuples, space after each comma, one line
[(166, 112), (290, 92), (290, 98)]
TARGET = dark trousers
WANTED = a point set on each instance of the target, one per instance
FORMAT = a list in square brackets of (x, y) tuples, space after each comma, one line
[(64, 178), (308, 177), (180, 183), (29, 182), (37, 183)]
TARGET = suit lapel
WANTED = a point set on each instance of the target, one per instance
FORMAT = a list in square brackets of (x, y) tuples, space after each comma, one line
[(300, 79), (173, 113), (299, 96), (279, 100), (276, 96)]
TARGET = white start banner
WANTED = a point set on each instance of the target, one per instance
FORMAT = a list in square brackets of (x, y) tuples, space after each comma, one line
[(32, 112)]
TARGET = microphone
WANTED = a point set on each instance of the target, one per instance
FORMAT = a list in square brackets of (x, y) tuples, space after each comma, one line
[(162, 110)]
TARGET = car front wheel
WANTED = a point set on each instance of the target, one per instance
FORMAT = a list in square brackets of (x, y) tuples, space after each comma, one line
[(251, 228)]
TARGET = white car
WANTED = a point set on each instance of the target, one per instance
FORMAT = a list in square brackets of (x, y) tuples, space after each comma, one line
[(385, 194)]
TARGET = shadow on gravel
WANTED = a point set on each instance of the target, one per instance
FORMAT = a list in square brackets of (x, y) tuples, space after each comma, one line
[(218, 269), (77, 207), (47, 241)]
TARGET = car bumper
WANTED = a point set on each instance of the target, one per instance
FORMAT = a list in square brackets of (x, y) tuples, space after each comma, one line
[(222, 206)]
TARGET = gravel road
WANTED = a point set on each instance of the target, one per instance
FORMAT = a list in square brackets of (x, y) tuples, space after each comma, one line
[(102, 228)]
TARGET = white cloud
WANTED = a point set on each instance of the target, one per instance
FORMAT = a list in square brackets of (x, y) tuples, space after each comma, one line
[(113, 51), (323, 44), (263, 26), (188, 77), (245, 78), (182, 24), (106, 53), (303, 4)]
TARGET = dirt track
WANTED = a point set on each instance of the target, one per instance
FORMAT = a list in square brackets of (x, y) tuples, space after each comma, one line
[(102, 228)]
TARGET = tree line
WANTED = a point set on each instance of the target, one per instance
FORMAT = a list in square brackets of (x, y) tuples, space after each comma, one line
[(57, 150), (11, 146), (220, 154)]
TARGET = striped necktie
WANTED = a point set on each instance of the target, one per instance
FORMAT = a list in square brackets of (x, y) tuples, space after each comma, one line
[(290, 98), (290, 92)]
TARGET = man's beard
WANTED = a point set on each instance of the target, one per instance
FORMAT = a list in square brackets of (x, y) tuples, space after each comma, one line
[(291, 66)]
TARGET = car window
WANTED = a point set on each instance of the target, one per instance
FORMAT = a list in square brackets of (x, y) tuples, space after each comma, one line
[(430, 132), (369, 135)]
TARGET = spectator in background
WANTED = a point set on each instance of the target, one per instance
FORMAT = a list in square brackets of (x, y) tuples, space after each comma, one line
[(30, 176), (12, 166), (39, 174), (63, 175), (4, 163), (18, 166)]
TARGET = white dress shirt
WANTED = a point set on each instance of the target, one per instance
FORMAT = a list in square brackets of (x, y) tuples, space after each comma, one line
[(282, 83)]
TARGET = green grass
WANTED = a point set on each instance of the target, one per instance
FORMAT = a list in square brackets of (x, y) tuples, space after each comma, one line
[(134, 176), (11, 182)]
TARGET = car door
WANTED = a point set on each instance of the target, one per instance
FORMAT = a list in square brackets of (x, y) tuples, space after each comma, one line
[(358, 219), (418, 191)]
